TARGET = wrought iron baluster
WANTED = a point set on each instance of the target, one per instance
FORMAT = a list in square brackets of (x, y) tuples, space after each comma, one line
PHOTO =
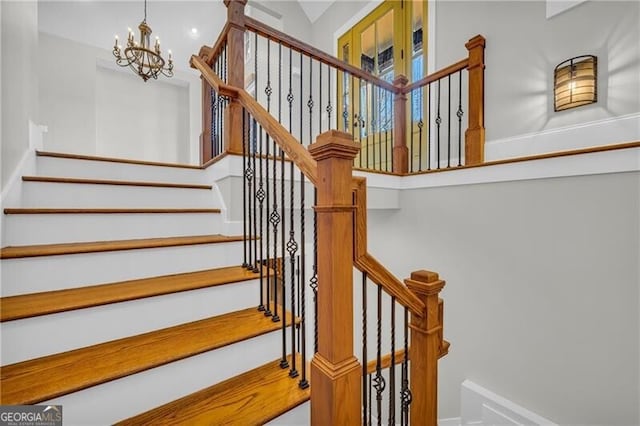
[(271, 276), (378, 124), (365, 356), (460, 113), (283, 274), (449, 122), (329, 93), (412, 133), (260, 195), (392, 367), (438, 122), (319, 98), (429, 126), (314, 279), (249, 177), (244, 188), (420, 126), (254, 150), (386, 134), (405, 393), (310, 101), (378, 381)]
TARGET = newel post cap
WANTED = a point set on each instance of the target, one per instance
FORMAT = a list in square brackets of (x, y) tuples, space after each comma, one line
[(400, 81), (334, 144), (425, 283), (477, 41)]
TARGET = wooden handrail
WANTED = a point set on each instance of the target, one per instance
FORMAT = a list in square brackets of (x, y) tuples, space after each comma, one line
[(451, 69), (294, 150), (364, 261), (300, 46), (217, 46)]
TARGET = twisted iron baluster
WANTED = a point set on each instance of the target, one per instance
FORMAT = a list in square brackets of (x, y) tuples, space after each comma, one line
[(329, 107), (379, 383), (260, 195), (392, 368), (365, 357), (313, 282), (438, 122), (449, 123), (460, 113), (244, 188), (405, 393)]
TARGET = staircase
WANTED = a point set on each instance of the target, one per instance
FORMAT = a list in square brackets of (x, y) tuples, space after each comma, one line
[(123, 300)]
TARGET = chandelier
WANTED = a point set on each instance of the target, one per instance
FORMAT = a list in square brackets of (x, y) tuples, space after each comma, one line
[(140, 57)]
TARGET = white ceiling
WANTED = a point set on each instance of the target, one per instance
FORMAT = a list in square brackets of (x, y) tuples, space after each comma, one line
[(96, 22)]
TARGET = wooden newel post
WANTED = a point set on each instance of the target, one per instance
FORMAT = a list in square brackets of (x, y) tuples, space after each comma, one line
[(474, 136), (235, 74), (400, 149), (335, 371), (426, 347)]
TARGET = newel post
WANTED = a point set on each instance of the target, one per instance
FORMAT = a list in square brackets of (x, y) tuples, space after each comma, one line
[(235, 74), (474, 135), (400, 149), (426, 348), (335, 371)]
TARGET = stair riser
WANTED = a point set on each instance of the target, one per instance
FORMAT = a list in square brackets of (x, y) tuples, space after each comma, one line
[(70, 330), (28, 229), (64, 167), (69, 195), (138, 393), (37, 274)]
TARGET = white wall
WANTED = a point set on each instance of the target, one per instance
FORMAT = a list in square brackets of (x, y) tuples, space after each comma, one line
[(542, 295), (91, 107), (523, 48), (19, 81), (141, 120)]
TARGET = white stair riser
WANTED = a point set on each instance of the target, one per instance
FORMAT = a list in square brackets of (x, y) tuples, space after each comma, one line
[(140, 392), (22, 339), (27, 229), (65, 167), (37, 274), (69, 195), (299, 416)]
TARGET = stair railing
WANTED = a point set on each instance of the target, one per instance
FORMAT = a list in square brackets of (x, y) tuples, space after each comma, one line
[(401, 128), (340, 231)]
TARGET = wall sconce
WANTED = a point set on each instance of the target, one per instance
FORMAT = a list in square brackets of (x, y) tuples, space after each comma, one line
[(576, 82)]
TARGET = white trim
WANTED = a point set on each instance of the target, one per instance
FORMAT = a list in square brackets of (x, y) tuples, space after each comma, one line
[(452, 421), (615, 161), (478, 403), (556, 7), (606, 131)]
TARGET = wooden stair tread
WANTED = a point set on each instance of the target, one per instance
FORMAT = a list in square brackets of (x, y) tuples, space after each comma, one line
[(12, 252), (40, 379), (49, 302), (50, 179), (114, 160), (104, 210), (252, 398)]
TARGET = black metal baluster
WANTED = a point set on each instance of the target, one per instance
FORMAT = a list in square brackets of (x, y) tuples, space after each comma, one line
[(255, 66), (365, 357), (329, 107), (314, 279), (260, 195), (283, 273), (310, 101), (449, 123), (386, 133), (301, 98), (391, 124), (254, 149), (370, 399), (420, 126), (378, 380), (244, 188), (303, 297), (249, 176), (438, 122), (405, 393), (412, 134), (429, 126), (345, 107), (392, 368), (271, 276), (460, 113), (319, 98), (274, 218), (378, 124)]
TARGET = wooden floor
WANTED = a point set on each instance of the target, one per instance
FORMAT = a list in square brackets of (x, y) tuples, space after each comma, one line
[(49, 302), (40, 379), (252, 398), (13, 252), (114, 160)]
